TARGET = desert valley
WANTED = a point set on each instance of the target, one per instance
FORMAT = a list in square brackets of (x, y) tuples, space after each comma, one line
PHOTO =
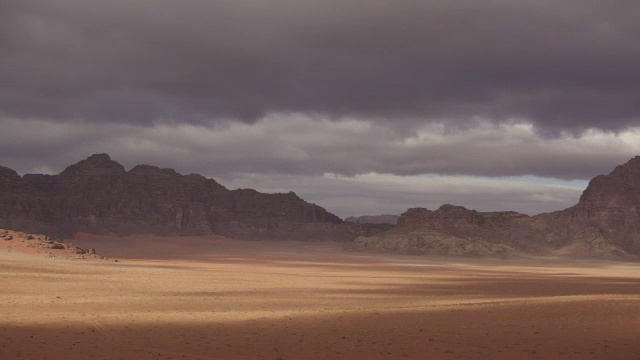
[(319, 180), (103, 263)]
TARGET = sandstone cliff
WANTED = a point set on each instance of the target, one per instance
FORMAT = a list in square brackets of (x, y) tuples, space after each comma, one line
[(604, 224), (98, 195)]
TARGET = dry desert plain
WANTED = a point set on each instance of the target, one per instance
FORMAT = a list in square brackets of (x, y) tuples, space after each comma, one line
[(215, 298)]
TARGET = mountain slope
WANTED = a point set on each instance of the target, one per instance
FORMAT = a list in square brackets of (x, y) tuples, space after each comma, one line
[(98, 195)]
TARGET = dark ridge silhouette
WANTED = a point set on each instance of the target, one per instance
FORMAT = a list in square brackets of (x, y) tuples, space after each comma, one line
[(98, 195)]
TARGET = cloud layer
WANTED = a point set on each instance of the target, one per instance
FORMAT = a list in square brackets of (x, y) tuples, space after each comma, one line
[(569, 65), (349, 166), (305, 145)]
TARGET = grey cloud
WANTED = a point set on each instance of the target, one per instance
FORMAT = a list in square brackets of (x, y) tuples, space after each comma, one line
[(562, 65), (303, 145), (377, 169)]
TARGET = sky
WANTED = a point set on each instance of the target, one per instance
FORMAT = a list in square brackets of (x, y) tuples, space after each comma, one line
[(361, 106)]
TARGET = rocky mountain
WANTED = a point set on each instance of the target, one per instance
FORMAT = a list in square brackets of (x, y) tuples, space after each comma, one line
[(604, 224), (374, 219), (98, 195)]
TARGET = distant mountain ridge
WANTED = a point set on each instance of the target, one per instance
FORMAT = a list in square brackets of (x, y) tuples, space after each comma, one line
[(98, 195), (604, 224), (374, 219)]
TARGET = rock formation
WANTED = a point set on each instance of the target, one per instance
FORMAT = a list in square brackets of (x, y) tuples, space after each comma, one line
[(604, 224), (98, 195), (12, 240)]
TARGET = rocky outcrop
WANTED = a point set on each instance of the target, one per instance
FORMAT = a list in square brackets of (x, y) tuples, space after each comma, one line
[(610, 207), (456, 231), (98, 195), (38, 243), (430, 243), (604, 224)]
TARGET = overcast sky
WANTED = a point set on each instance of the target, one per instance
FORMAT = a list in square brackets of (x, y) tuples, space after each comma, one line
[(361, 106)]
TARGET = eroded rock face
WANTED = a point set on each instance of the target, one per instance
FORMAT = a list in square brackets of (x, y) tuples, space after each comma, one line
[(98, 195), (604, 224), (620, 188), (455, 231), (430, 243), (610, 206)]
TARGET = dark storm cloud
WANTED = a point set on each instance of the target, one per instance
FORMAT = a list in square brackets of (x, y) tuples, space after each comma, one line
[(562, 65)]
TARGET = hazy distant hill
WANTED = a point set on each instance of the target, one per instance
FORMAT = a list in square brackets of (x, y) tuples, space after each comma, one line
[(374, 219)]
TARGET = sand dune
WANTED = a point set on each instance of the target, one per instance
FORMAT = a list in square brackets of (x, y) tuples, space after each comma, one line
[(214, 298)]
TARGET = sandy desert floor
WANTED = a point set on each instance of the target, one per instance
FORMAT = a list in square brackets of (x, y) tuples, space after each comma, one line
[(213, 298)]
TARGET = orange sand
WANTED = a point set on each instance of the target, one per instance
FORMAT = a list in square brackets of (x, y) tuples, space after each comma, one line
[(214, 298)]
